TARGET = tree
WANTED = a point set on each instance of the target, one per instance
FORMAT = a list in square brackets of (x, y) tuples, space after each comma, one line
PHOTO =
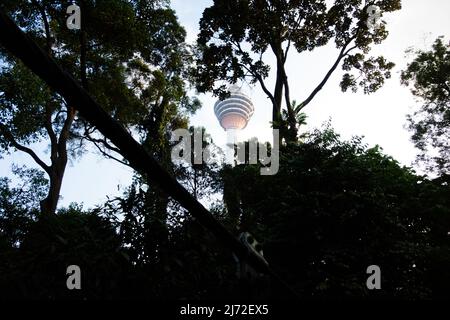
[(37, 268), (142, 161), (19, 205), (150, 215), (119, 40), (428, 75), (336, 207), (163, 93), (235, 36), (27, 116), (202, 180)]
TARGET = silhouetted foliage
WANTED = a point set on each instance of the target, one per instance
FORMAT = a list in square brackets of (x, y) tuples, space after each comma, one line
[(236, 36), (429, 76), (334, 208), (129, 55)]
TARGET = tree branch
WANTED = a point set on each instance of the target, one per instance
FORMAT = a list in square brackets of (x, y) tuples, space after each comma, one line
[(107, 155), (296, 26), (51, 133), (342, 54), (64, 135), (255, 74), (46, 25), (83, 49), (104, 143), (264, 88), (261, 82), (287, 51), (288, 97), (8, 135)]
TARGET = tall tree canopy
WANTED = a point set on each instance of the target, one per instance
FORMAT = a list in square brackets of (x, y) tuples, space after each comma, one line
[(428, 75), (130, 55), (336, 207), (235, 35)]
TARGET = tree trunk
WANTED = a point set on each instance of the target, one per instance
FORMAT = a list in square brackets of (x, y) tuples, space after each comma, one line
[(49, 204), (278, 95), (287, 126), (59, 162)]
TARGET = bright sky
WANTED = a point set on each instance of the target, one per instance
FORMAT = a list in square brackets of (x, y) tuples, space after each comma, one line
[(380, 117)]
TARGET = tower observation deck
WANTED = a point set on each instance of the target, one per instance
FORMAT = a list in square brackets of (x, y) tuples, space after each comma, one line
[(234, 112)]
